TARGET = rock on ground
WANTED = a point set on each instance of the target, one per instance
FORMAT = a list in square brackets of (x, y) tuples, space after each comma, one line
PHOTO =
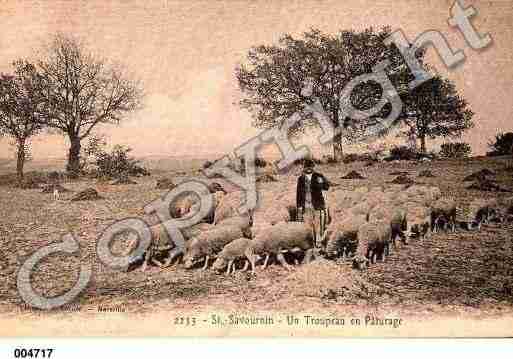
[(264, 178), (353, 175), (403, 179), (487, 185), (426, 173), (122, 181), (482, 175), (165, 183), (89, 194)]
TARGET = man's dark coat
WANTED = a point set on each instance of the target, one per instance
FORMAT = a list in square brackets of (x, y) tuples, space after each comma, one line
[(316, 189)]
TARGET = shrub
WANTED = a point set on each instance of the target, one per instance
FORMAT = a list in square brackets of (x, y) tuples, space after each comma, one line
[(351, 157), (402, 153), (502, 145), (114, 164), (363, 157), (455, 150), (328, 159), (118, 163), (55, 176), (98, 162)]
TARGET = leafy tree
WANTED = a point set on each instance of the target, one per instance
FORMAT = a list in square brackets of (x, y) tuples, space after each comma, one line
[(274, 77), (82, 92), (21, 109), (435, 109), (503, 145)]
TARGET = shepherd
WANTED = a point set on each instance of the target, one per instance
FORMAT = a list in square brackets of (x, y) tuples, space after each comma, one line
[(310, 200)]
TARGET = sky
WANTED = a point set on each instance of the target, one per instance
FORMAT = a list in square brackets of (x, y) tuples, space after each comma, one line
[(185, 53)]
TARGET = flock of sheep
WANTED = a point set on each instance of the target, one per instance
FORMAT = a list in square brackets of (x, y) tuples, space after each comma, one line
[(363, 224)]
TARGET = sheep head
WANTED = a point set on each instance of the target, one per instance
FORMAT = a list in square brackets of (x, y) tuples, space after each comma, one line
[(360, 262), (219, 264)]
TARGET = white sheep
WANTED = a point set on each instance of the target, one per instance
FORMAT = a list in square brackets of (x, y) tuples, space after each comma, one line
[(361, 209), (273, 240), (287, 196), (376, 198), (416, 190), (380, 212), (399, 199), (208, 244), (230, 253), (395, 215), (341, 200), (417, 193), (341, 237), (257, 227), (444, 210), (423, 195), (193, 231), (373, 242), (228, 206), (161, 244), (192, 204), (504, 209), (473, 214), (244, 222), (418, 220), (435, 193), (271, 214)]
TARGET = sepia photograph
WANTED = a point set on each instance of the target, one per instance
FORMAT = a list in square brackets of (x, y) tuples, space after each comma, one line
[(267, 168)]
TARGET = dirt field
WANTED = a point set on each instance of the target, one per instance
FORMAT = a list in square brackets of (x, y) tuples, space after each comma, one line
[(465, 272)]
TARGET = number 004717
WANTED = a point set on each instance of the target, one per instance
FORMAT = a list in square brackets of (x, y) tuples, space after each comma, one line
[(32, 353)]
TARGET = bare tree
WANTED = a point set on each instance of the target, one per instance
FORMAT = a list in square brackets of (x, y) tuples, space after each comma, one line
[(21, 108), (82, 91)]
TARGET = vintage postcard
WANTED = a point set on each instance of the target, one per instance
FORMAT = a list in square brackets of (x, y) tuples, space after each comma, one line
[(240, 168)]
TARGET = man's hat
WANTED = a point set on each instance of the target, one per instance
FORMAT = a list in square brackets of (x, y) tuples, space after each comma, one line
[(308, 163)]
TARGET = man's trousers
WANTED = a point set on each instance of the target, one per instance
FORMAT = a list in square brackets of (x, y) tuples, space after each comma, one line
[(315, 219)]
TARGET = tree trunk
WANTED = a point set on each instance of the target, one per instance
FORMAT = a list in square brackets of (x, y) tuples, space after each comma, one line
[(412, 140), (20, 159), (423, 144), (73, 166), (511, 158), (338, 150)]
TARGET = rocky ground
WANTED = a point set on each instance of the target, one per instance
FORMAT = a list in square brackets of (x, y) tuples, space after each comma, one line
[(448, 273)]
